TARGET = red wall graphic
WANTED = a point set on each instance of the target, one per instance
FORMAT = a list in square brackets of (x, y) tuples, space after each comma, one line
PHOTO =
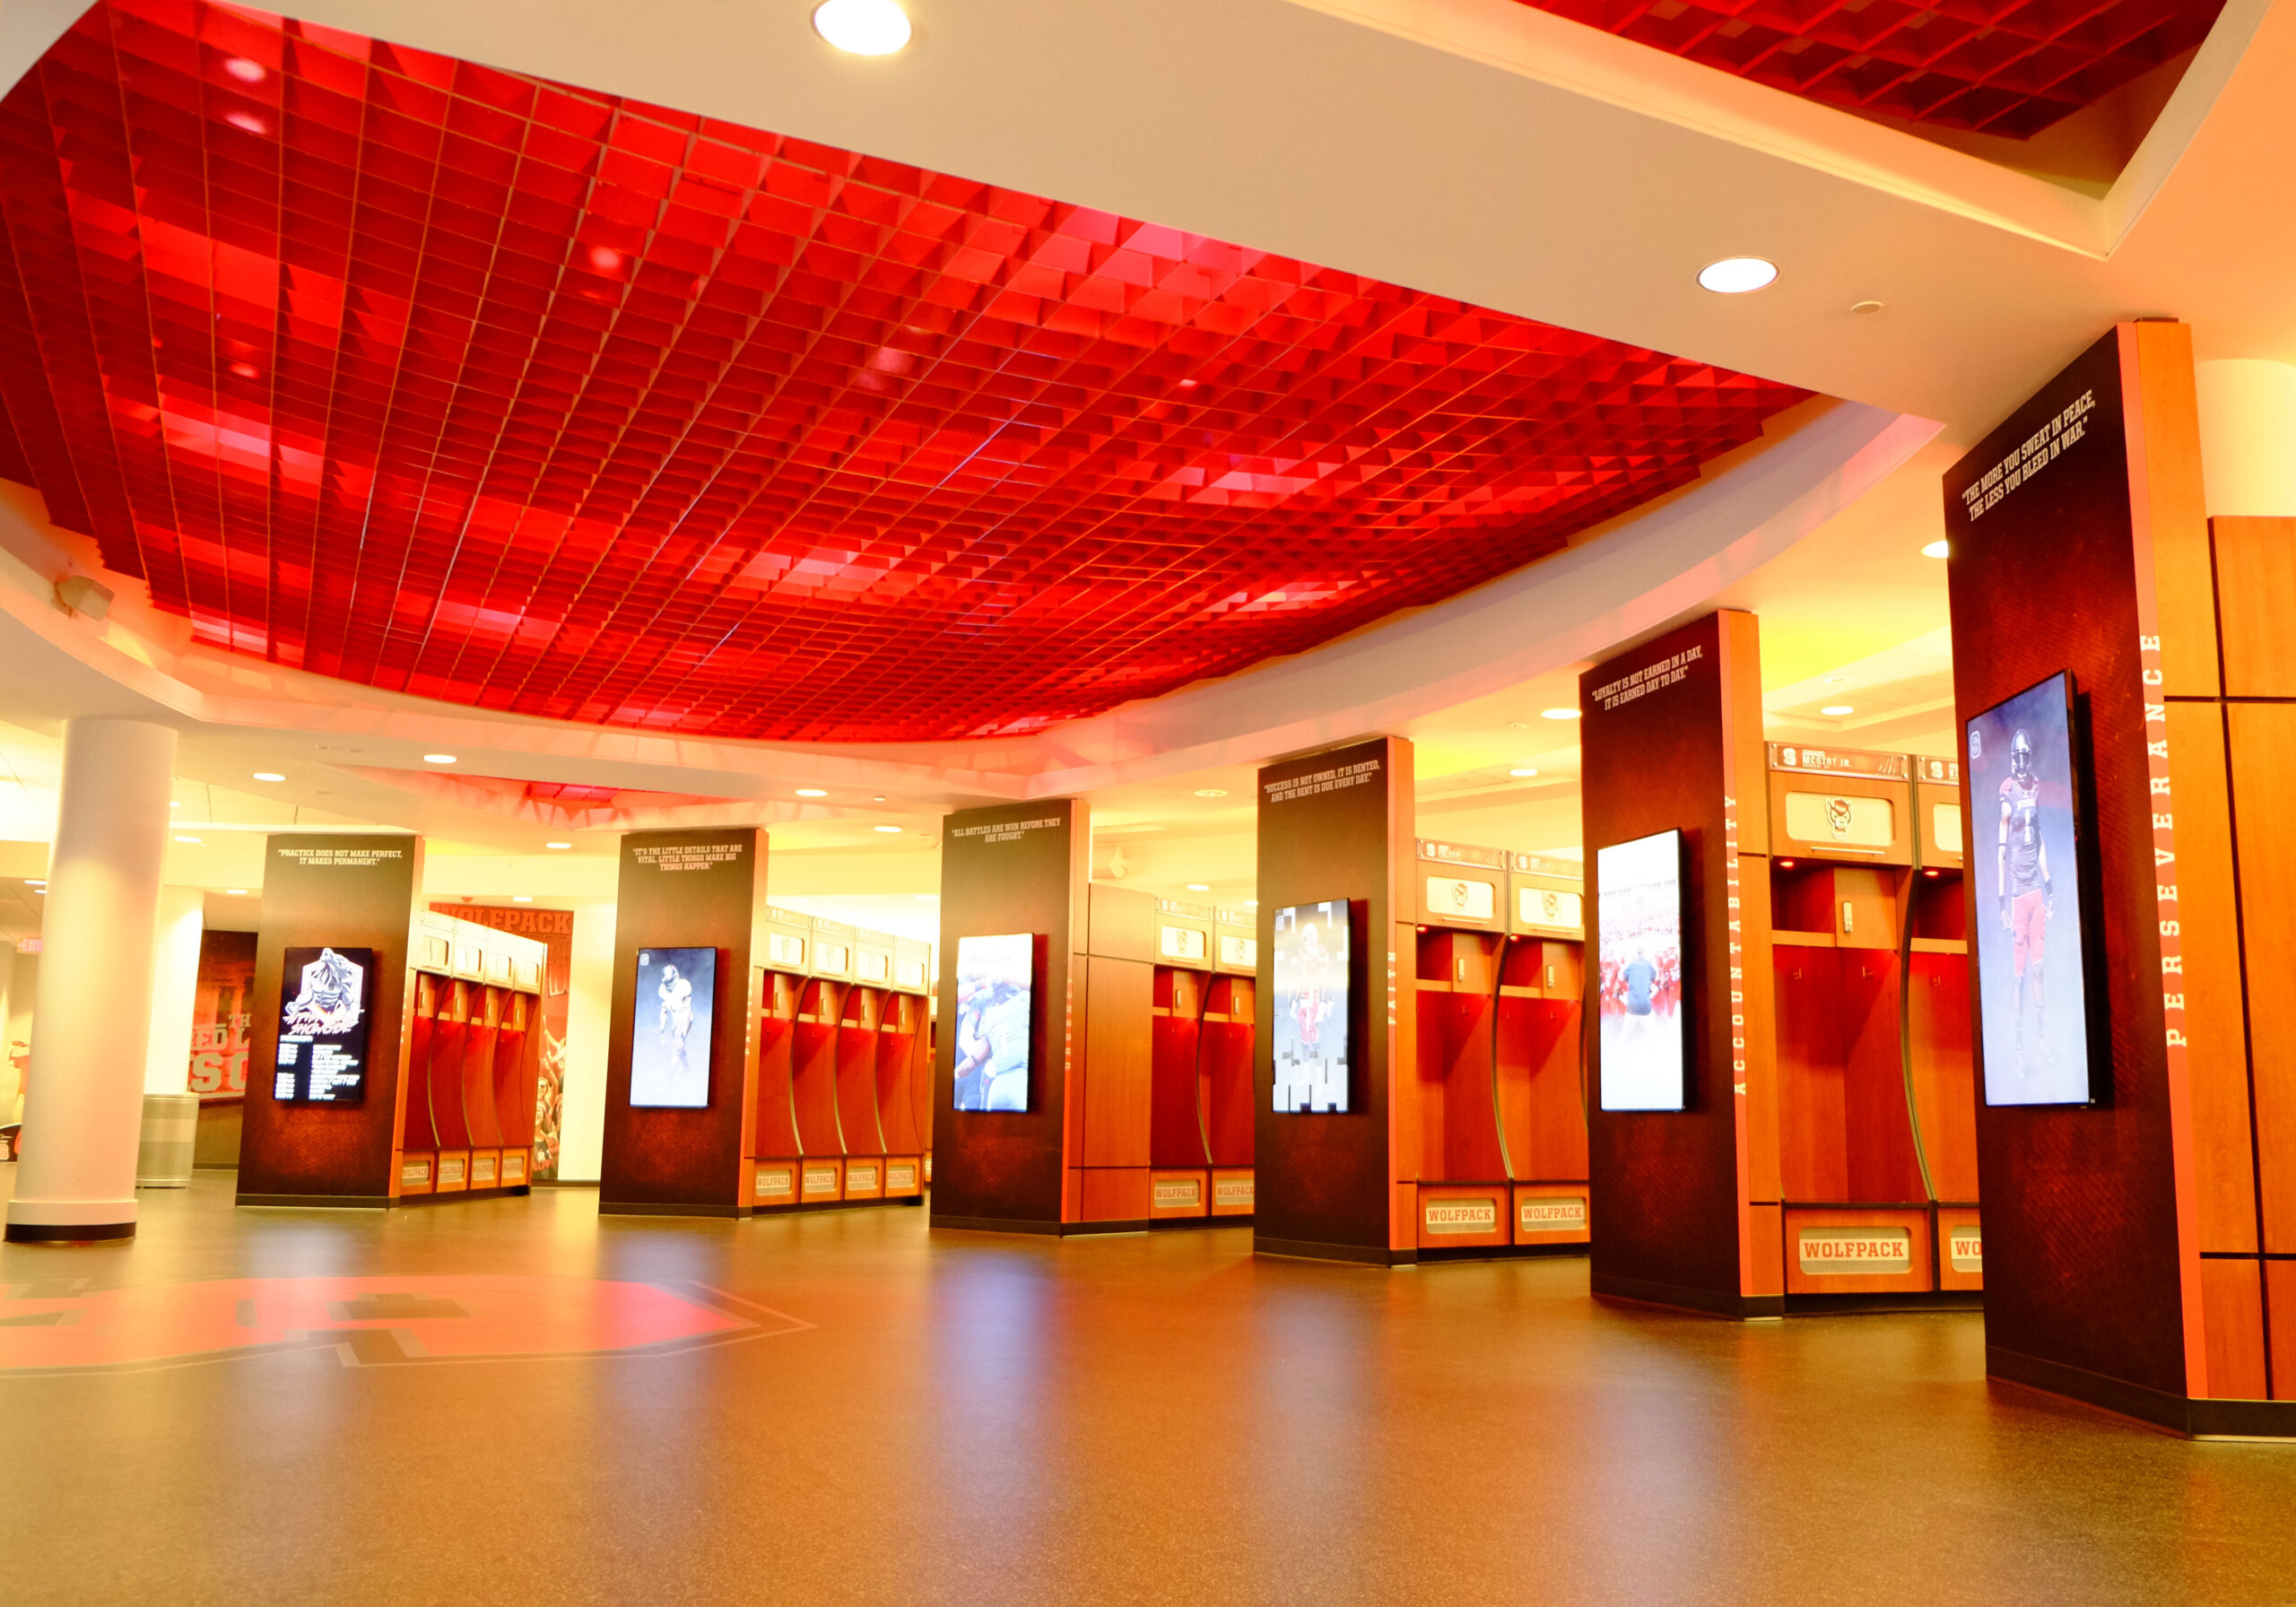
[(220, 1021)]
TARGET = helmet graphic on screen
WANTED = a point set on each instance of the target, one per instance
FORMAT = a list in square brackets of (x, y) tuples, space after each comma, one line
[(2020, 756)]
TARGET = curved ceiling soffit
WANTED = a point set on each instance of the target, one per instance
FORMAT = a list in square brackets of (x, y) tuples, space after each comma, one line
[(1649, 567), (1536, 45)]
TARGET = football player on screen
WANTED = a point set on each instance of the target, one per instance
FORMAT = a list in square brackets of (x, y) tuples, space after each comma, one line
[(2027, 897)]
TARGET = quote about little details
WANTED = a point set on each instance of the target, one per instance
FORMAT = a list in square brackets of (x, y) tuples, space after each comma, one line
[(1649, 679), (686, 856)]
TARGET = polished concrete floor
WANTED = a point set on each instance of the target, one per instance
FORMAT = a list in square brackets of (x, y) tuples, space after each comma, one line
[(845, 1408)]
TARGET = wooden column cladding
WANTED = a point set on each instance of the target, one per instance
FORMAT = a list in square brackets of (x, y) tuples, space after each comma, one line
[(341, 891), (1687, 1203), (1078, 1159), (701, 888), (2130, 1244), (1016, 869), (431, 973), (1336, 826)]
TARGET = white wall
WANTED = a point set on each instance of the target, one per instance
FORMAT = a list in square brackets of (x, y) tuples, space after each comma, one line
[(23, 987), (590, 1001)]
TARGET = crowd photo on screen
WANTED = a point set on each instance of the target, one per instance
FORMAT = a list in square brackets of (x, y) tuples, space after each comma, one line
[(1639, 950)]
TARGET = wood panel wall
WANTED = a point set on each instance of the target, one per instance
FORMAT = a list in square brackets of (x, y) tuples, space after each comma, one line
[(1019, 867), (2125, 1241), (687, 890), (352, 892), (1685, 1205), (1341, 1185)]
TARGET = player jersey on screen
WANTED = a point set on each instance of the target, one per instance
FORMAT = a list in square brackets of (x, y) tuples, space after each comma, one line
[(1640, 977), (2022, 799)]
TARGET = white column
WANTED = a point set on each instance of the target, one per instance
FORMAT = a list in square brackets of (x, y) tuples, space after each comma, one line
[(170, 1109), (2248, 437), (84, 1104)]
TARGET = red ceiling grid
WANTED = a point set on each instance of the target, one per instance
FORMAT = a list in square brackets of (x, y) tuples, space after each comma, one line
[(468, 384), (2008, 68)]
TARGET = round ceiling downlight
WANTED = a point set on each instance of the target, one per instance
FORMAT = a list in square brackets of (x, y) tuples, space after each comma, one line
[(862, 26), (1735, 276)]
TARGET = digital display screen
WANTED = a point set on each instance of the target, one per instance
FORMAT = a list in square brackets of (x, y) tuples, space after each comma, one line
[(1311, 1013), (996, 995), (1638, 911), (323, 1020), (670, 1034), (2023, 859)]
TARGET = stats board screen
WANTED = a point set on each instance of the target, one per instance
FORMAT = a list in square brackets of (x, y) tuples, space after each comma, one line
[(1639, 912), (995, 999), (1312, 1019), (670, 1034), (2023, 859), (323, 1022)]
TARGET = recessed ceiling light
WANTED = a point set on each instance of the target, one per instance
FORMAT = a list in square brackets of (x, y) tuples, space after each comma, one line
[(438, 759), (1837, 710), (1558, 714), (269, 775), (1526, 771), (558, 845), (173, 804), (1210, 791), (244, 70), (1935, 550), (878, 800), (1735, 276), (187, 840), (235, 893), (813, 792), (35, 882), (522, 897), (862, 26), (889, 830), (1866, 309), (1199, 887), (1251, 903), (247, 120)]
